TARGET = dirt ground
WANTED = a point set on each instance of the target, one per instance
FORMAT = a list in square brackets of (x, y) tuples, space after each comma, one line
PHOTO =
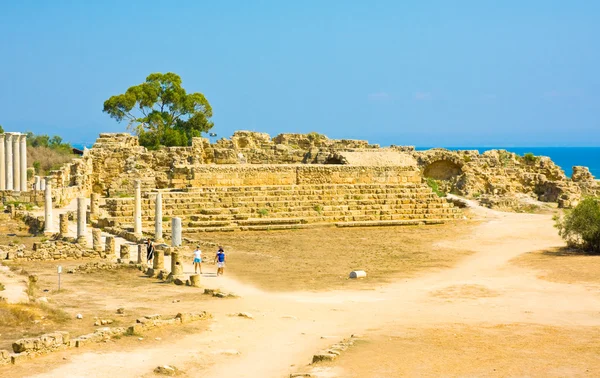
[(562, 265), (321, 259), (477, 350), (476, 296)]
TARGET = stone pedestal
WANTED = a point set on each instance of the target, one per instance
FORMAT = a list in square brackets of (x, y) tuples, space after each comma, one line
[(110, 246), (176, 268), (159, 260), (81, 220), (195, 280), (137, 211), (176, 232), (125, 252), (63, 224), (158, 232), (141, 254), (94, 205), (97, 239), (48, 226)]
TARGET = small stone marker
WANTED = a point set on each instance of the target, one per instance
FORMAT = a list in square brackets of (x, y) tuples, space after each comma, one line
[(195, 280), (358, 274)]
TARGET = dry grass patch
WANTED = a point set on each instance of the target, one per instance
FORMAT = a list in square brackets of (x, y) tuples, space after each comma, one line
[(562, 265), (482, 351), (318, 259), (94, 295)]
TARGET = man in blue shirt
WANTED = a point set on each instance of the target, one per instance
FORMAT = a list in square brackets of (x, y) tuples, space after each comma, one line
[(220, 261)]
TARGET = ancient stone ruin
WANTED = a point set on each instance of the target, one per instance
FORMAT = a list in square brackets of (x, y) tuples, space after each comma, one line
[(255, 182)]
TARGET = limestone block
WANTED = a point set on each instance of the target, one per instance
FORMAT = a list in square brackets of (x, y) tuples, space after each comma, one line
[(125, 252), (195, 280)]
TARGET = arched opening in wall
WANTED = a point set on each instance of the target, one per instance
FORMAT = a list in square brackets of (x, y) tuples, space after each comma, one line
[(335, 159), (442, 170)]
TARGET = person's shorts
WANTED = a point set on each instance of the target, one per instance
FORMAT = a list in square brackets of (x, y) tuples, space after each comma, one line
[(197, 261), (220, 265)]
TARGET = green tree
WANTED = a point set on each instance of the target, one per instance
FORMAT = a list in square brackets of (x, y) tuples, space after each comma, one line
[(1, 129), (160, 111), (580, 227)]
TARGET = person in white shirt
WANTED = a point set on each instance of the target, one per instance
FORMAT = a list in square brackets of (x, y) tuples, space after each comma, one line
[(197, 260)]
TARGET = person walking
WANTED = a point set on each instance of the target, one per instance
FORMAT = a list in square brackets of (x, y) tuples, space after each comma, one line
[(220, 261), (149, 252), (197, 260)]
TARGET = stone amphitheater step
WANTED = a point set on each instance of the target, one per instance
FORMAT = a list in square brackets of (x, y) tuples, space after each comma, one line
[(389, 223), (283, 207)]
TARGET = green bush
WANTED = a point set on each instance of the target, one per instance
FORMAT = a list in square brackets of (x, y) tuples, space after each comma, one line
[(580, 227), (529, 158), (433, 184), (263, 212)]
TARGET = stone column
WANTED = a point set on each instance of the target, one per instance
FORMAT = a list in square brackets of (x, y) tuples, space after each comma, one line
[(137, 211), (16, 145), (42, 183), (36, 183), (109, 246), (48, 226), (97, 239), (176, 232), (158, 233), (8, 162), (2, 164), (23, 162), (159, 260), (141, 256), (81, 221), (63, 224), (94, 205)]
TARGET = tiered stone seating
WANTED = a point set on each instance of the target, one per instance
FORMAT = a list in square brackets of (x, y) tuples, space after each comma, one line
[(289, 207)]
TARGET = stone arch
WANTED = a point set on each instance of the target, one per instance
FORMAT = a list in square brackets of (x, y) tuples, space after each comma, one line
[(442, 170)]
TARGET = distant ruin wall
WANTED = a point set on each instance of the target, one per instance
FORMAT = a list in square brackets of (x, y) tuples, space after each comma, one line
[(250, 158)]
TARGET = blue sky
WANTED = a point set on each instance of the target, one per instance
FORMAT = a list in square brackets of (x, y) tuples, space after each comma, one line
[(425, 73)]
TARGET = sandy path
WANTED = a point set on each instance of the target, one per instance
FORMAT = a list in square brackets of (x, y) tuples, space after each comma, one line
[(15, 286), (289, 327)]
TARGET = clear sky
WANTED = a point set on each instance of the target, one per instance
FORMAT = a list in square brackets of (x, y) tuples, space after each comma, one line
[(425, 73)]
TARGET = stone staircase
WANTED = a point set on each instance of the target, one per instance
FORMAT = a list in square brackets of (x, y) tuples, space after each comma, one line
[(287, 207)]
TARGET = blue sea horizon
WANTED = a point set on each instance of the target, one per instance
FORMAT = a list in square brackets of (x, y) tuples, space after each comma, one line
[(564, 157)]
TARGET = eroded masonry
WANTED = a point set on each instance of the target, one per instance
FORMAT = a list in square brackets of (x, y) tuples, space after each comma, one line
[(254, 182)]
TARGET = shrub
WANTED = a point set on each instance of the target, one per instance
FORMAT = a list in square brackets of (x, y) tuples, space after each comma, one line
[(433, 184), (580, 227), (263, 212), (529, 158), (318, 208)]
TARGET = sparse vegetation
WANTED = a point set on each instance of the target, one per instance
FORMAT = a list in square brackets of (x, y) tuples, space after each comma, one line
[(47, 153), (580, 227), (2, 287), (434, 185), (530, 158), (318, 208), (263, 212)]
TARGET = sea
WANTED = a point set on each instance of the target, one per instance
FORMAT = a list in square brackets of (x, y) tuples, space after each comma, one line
[(565, 157)]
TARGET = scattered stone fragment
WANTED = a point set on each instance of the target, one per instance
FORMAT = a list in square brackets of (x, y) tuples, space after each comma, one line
[(167, 370), (323, 356), (245, 315), (299, 375), (358, 274), (79, 316), (120, 310)]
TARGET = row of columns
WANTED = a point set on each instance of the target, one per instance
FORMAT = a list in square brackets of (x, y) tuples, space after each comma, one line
[(176, 226), (13, 162)]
